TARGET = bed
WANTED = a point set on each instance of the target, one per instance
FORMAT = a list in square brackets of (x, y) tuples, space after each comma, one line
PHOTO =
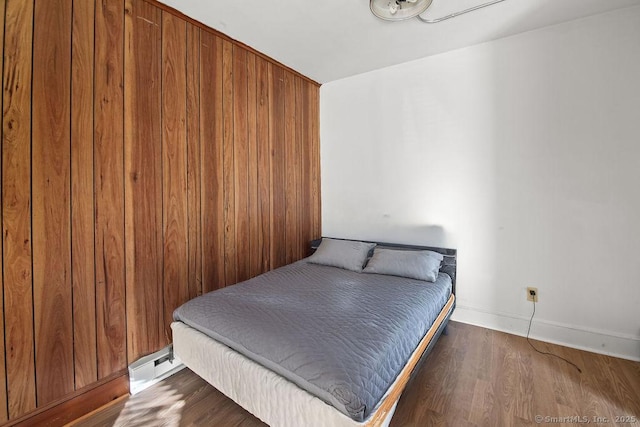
[(330, 340)]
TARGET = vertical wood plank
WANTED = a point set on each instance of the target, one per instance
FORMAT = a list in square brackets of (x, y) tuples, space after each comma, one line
[(255, 248), (241, 164), (109, 183), (16, 208), (212, 166), (82, 212), (291, 197), (174, 165), (278, 166), (230, 253), (194, 175), (264, 165), (298, 251), (143, 184), (302, 171), (316, 206), (4, 413), (51, 148), (306, 206)]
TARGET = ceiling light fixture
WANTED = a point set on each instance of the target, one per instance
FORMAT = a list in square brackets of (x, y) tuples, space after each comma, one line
[(400, 10)]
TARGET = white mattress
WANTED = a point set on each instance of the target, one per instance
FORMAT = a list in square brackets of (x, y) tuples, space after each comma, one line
[(265, 394)]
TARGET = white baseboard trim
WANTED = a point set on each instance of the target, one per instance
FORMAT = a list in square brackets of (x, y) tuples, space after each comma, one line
[(603, 342)]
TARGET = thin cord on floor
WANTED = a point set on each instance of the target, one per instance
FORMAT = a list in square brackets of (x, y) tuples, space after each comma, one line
[(544, 352)]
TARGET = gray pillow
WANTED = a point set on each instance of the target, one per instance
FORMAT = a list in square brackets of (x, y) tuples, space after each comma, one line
[(434, 254), (421, 265), (345, 254)]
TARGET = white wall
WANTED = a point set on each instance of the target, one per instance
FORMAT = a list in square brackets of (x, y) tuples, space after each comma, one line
[(522, 153)]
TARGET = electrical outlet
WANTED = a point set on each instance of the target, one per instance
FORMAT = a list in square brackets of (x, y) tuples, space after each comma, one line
[(532, 294)]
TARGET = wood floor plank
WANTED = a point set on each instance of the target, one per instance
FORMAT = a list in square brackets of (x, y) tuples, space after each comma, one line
[(525, 393), (623, 389), (447, 390), (631, 371), (481, 403)]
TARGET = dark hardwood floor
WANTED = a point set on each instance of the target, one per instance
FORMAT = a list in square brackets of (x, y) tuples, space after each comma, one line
[(473, 377)]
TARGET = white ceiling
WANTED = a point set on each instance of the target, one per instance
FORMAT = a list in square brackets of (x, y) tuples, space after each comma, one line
[(327, 40)]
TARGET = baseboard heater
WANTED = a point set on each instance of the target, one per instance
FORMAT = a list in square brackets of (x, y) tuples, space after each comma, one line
[(145, 372)]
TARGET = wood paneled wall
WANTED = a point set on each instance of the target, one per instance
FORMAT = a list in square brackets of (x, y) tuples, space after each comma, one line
[(145, 160)]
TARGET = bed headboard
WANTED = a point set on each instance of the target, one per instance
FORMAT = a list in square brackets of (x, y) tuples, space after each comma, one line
[(449, 262)]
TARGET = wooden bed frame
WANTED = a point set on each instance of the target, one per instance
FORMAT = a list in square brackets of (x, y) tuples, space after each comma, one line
[(384, 411), (412, 366)]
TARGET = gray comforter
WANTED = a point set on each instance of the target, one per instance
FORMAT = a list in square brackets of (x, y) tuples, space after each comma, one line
[(340, 335)]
